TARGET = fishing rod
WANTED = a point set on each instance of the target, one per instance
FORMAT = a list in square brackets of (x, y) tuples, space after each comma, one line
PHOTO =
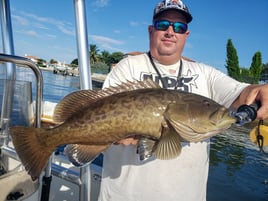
[(248, 113)]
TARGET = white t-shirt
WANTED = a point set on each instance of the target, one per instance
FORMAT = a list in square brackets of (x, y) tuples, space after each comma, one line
[(125, 177)]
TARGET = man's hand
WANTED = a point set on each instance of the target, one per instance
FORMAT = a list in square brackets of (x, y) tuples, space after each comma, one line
[(128, 141), (254, 93)]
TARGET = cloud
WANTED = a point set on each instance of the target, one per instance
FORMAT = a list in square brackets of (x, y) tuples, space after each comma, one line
[(103, 39), (51, 36), (40, 26), (32, 33), (134, 24), (43, 22), (101, 3), (117, 31), (20, 20), (29, 33), (67, 30), (106, 43)]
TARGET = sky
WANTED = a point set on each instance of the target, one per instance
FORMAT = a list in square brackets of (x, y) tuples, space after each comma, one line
[(46, 28)]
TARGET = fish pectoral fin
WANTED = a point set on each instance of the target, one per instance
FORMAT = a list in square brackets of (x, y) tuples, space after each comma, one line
[(80, 155), (145, 148), (169, 145)]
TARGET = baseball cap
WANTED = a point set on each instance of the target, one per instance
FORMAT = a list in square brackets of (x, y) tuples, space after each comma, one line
[(173, 5)]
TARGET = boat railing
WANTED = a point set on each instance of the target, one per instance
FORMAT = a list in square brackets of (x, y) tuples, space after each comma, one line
[(39, 81), (52, 168)]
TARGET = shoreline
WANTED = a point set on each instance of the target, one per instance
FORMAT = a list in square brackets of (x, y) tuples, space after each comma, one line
[(97, 77)]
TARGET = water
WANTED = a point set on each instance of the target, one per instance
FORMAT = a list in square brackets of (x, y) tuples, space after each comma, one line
[(238, 171), (56, 86)]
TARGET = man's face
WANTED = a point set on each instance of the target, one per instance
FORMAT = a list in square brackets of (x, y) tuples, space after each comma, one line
[(166, 43)]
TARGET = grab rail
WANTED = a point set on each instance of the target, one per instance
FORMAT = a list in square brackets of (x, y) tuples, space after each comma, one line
[(39, 82), (54, 169)]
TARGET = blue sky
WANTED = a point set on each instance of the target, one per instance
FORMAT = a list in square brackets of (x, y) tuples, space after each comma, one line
[(46, 28)]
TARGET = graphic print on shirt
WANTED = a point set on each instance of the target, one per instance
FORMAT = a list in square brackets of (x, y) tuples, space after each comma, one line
[(183, 83)]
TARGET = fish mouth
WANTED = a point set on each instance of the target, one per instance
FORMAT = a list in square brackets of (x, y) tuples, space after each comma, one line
[(226, 121), (222, 117)]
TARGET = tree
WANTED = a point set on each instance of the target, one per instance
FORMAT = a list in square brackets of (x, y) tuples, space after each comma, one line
[(99, 67), (116, 57), (101, 62), (265, 66), (256, 67), (74, 63), (105, 57), (232, 63), (52, 61), (93, 53), (245, 75), (264, 73), (41, 62)]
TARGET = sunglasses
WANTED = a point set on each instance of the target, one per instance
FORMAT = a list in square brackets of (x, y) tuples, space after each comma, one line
[(178, 27)]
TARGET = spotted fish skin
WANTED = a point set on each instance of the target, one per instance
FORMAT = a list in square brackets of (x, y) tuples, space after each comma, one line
[(90, 121)]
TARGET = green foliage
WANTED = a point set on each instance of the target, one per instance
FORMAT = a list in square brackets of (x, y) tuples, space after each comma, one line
[(52, 61), (74, 63), (116, 57), (264, 72), (100, 63), (256, 68), (232, 63), (41, 62), (100, 67), (265, 66), (105, 57), (253, 75), (93, 53), (245, 76)]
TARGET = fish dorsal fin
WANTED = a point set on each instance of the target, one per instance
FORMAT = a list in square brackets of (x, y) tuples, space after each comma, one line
[(169, 145), (73, 103), (79, 100), (133, 85)]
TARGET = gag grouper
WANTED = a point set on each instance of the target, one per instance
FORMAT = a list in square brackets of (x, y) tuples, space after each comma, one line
[(93, 120)]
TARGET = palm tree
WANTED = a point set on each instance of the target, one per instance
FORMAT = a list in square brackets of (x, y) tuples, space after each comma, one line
[(93, 53), (104, 57)]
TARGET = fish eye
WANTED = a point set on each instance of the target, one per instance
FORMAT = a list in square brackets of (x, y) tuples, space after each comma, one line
[(206, 103)]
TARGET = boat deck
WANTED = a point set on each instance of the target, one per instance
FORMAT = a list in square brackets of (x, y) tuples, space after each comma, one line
[(17, 180)]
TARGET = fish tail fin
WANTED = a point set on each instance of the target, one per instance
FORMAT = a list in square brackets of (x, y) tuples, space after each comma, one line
[(32, 154)]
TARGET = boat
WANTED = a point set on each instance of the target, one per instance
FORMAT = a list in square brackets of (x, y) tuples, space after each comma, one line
[(234, 155), (60, 180)]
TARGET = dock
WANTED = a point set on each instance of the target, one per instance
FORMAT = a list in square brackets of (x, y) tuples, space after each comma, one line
[(98, 77)]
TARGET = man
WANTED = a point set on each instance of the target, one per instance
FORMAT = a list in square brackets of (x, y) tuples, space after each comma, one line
[(125, 177)]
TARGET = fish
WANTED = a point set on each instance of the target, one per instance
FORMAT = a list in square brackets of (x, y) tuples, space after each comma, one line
[(89, 121)]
